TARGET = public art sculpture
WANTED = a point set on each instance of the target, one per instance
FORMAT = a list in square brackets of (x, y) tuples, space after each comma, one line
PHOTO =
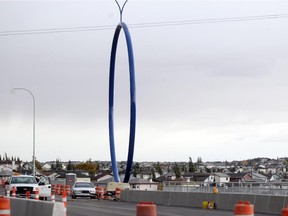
[(132, 99)]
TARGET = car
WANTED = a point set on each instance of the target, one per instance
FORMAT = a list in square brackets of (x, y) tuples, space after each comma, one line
[(44, 183), (83, 189), (22, 184)]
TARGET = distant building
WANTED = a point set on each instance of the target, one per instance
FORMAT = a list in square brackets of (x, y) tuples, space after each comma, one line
[(142, 184)]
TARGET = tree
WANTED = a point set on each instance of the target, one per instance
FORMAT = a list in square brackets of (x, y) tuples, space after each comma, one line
[(135, 169), (89, 166), (176, 170), (70, 166), (158, 168), (191, 167), (58, 165), (38, 165)]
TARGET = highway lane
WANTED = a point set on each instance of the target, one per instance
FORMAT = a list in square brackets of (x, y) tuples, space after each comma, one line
[(93, 207), (87, 207)]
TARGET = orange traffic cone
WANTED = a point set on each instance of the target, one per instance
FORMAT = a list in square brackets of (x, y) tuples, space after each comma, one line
[(244, 208), (4, 206), (146, 209)]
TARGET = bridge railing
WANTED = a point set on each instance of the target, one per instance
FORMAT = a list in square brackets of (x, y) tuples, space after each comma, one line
[(276, 189)]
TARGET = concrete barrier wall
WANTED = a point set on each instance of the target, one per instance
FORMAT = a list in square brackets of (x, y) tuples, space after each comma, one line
[(29, 207), (262, 203)]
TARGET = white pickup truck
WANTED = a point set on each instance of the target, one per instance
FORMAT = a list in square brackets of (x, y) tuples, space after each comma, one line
[(24, 183)]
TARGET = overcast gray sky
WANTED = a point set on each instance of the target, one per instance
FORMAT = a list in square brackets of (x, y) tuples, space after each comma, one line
[(215, 90)]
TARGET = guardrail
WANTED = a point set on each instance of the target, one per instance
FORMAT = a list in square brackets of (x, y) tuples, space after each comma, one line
[(275, 189), (266, 204)]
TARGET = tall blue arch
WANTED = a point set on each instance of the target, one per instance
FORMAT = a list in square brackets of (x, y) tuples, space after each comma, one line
[(132, 103)]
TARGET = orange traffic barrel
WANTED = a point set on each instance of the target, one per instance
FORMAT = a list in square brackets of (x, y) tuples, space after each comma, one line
[(53, 188), (146, 209), (67, 189), (14, 192), (37, 194), (244, 208), (58, 189), (285, 211), (64, 200), (118, 193), (100, 192), (4, 206)]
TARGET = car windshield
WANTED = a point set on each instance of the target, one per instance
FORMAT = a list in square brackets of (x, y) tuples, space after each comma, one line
[(84, 184), (23, 180)]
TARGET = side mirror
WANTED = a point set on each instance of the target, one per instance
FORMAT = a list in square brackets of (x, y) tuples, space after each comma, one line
[(41, 183)]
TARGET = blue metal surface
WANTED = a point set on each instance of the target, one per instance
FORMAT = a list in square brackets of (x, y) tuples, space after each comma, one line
[(132, 103)]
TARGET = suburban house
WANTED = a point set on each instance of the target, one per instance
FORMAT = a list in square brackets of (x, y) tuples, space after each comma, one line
[(143, 184), (239, 177), (221, 178)]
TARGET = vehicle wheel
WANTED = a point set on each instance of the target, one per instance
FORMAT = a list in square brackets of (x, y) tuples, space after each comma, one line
[(73, 196)]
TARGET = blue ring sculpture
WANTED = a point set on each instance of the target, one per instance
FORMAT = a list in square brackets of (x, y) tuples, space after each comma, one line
[(132, 103)]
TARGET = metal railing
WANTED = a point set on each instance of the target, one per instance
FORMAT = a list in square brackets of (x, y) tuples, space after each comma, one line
[(276, 189)]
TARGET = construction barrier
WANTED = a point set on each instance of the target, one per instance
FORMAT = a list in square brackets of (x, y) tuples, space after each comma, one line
[(100, 192), (64, 200), (4, 206), (58, 189), (285, 211), (62, 188), (146, 209), (37, 194), (31, 207), (117, 193), (14, 192), (53, 189), (68, 190), (244, 208)]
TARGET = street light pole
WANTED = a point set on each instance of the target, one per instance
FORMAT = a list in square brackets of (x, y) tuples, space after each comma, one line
[(33, 125)]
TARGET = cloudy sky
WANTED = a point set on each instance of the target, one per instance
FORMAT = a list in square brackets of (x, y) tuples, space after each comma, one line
[(211, 79)]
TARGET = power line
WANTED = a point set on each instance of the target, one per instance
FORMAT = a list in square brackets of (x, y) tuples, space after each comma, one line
[(145, 25)]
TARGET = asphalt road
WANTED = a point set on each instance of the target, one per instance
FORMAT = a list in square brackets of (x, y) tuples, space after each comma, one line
[(94, 207), (87, 207)]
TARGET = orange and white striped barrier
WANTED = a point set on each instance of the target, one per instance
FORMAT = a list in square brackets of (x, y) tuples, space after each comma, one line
[(64, 200), (285, 211), (14, 192), (244, 208), (37, 194), (52, 197), (146, 209), (68, 190), (4, 206), (117, 193), (58, 189), (53, 189), (100, 192)]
